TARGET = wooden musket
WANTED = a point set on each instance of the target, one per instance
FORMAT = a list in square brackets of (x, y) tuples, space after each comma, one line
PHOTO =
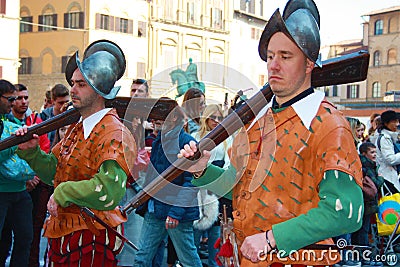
[(346, 69), (126, 107)]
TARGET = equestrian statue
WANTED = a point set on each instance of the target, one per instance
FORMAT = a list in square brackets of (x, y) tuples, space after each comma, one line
[(186, 79)]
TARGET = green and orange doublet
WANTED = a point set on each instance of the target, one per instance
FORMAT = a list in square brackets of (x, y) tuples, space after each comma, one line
[(303, 183), (88, 172)]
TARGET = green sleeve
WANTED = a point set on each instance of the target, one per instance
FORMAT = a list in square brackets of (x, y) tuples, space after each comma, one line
[(103, 191), (339, 211), (218, 180), (42, 163)]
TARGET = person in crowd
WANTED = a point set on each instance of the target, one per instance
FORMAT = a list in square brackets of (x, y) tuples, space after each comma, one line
[(361, 132), (89, 167), (356, 130), (60, 96), (48, 102), (193, 104), (372, 183), (387, 154), (15, 201), (373, 131), (139, 88), (174, 208), (295, 172), (39, 191), (372, 125), (212, 115)]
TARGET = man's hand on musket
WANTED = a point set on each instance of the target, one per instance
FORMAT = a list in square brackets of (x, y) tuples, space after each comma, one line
[(256, 246), (52, 206), (188, 151), (34, 142)]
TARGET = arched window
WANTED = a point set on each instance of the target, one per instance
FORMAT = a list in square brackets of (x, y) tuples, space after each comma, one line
[(392, 25), (377, 58), (376, 89), (392, 56), (390, 86), (378, 27)]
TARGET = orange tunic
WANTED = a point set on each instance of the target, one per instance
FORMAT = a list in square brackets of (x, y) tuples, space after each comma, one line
[(279, 182), (80, 159)]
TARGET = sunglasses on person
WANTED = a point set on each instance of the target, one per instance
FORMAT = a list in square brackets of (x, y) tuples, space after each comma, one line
[(216, 118), (20, 97), (9, 98)]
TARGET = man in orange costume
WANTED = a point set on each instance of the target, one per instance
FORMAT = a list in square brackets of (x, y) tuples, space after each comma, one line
[(295, 173), (89, 167)]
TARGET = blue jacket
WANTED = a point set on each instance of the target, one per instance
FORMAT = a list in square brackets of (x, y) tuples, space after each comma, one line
[(179, 198), (14, 172)]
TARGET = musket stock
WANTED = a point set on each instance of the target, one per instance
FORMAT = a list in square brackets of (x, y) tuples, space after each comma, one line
[(346, 69)]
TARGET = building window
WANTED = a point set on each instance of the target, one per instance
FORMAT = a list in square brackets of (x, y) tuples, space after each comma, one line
[(141, 70), (169, 9), (26, 66), (104, 22), (46, 22), (123, 25), (377, 58), (24, 24), (192, 12), (334, 90), (326, 91), (392, 25), (64, 61), (392, 55), (3, 6), (353, 91), (378, 27), (74, 20), (376, 89), (255, 34), (142, 28), (216, 18)]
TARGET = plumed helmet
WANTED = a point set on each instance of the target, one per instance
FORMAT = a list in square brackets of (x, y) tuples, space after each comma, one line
[(103, 64), (300, 23)]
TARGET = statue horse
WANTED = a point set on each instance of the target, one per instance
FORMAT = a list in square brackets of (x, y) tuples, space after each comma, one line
[(179, 76)]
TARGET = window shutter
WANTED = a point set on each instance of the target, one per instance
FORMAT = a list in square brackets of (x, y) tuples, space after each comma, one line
[(29, 69), (81, 20), (1, 72), (98, 20), (3, 6), (54, 22), (111, 23), (358, 90), (348, 91), (117, 24), (66, 20), (40, 27), (130, 26), (30, 26)]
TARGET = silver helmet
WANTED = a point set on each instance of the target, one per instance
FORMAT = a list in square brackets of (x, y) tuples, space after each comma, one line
[(300, 23), (102, 65)]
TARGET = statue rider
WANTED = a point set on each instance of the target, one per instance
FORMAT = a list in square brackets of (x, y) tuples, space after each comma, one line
[(191, 72)]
